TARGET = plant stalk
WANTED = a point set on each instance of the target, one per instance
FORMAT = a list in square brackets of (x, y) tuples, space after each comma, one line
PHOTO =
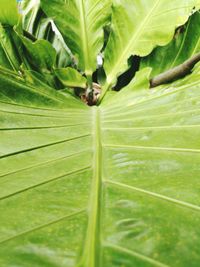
[(175, 73)]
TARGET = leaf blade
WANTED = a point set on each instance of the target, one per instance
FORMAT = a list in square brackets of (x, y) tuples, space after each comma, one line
[(84, 26)]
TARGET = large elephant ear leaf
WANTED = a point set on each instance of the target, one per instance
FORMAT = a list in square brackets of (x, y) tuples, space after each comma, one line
[(138, 28), (81, 23), (185, 44), (9, 12), (108, 186)]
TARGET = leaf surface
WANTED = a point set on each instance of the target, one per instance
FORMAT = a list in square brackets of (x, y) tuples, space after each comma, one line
[(71, 77), (9, 54), (41, 53), (82, 27), (114, 185), (41, 27)]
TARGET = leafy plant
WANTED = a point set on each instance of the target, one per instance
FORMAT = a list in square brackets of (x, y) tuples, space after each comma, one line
[(115, 184)]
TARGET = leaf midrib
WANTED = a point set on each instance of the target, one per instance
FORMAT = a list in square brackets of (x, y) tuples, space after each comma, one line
[(91, 256), (85, 37)]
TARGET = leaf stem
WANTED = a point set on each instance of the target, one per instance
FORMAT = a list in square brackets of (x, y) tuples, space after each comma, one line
[(106, 87), (175, 73)]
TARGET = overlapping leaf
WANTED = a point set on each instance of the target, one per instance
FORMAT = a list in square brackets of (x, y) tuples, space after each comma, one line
[(137, 28), (9, 56), (71, 77), (41, 27), (9, 15), (186, 43)]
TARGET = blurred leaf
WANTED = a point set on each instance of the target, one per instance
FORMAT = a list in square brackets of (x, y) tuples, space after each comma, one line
[(30, 15), (9, 12), (71, 78), (41, 54)]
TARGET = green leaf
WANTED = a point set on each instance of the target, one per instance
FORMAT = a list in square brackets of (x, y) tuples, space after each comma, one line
[(137, 28), (71, 78), (114, 185), (41, 53), (30, 16), (82, 27), (184, 45), (41, 27), (11, 49), (9, 12), (9, 55)]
